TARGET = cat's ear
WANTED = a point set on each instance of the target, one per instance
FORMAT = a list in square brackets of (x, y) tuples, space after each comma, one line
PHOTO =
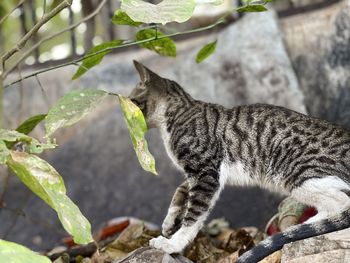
[(145, 73)]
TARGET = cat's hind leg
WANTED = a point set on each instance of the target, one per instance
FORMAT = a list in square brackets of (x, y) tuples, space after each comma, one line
[(329, 195), (202, 195), (176, 211)]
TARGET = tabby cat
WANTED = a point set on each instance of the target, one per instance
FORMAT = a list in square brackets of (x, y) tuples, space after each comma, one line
[(264, 145)]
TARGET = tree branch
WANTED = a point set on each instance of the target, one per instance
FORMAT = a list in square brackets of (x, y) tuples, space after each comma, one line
[(9, 13), (27, 53), (127, 44), (36, 27)]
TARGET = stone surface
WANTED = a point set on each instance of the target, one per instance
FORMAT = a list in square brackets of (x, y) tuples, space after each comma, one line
[(151, 255), (319, 47), (331, 248)]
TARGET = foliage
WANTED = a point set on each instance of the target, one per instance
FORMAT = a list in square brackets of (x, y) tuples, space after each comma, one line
[(78, 103), (206, 51), (41, 177), (120, 17), (252, 8), (72, 108), (163, 46), (165, 12), (13, 253), (137, 127), (44, 181), (92, 60)]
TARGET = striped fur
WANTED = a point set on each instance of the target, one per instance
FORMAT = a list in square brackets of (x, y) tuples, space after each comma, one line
[(264, 145)]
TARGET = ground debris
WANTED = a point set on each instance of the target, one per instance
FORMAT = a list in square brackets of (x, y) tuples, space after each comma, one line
[(216, 243)]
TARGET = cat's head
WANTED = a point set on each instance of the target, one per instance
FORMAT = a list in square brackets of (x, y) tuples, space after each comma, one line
[(149, 93)]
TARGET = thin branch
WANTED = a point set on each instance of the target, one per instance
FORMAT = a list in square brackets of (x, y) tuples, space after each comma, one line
[(9, 13), (35, 28), (43, 92), (44, 7), (127, 44), (27, 53)]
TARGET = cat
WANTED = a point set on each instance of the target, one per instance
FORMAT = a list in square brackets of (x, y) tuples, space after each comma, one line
[(265, 145)]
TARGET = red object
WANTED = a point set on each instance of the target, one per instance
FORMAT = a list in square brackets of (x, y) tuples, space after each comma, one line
[(272, 229), (104, 233), (308, 212)]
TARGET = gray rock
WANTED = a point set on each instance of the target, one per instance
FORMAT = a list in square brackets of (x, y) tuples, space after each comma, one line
[(331, 248), (319, 47), (151, 255)]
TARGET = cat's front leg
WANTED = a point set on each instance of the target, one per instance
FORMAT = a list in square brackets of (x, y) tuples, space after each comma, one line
[(202, 195), (176, 211)]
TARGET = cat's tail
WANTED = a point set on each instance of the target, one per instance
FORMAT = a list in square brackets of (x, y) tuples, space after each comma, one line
[(295, 233)]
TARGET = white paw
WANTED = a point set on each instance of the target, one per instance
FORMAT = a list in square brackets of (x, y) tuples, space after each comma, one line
[(167, 245)]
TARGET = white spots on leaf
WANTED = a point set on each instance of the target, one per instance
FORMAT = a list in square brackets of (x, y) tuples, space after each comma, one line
[(63, 107), (82, 94)]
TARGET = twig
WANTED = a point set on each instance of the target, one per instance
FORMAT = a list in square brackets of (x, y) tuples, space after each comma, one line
[(27, 53), (9, 13), (43, 92), (22, 42), (133, 43), (44, 7)]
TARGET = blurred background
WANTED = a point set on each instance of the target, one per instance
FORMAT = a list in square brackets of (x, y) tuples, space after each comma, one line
[(296, 55)]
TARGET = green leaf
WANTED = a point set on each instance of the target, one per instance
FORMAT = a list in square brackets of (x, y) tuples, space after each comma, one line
[(4, 152), (44, 181), (91, 61), (14, 136), (137, 128), (10, 137), (165, 12), (72, 107), (206, 51), (28, 125), (252, 8), (122, 18), (164, 46), (14, 253)]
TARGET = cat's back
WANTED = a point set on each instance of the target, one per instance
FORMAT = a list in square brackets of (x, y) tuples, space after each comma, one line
[(278, 141)]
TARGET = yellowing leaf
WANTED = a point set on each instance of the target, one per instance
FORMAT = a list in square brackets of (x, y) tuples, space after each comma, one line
[(137, 128), (93, 60), (206, 51), (164, 12), (164, 46), (14, 253), (72, 107), (45, 182)]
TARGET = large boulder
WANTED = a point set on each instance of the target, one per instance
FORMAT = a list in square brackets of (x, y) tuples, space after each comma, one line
[(319, 48)]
